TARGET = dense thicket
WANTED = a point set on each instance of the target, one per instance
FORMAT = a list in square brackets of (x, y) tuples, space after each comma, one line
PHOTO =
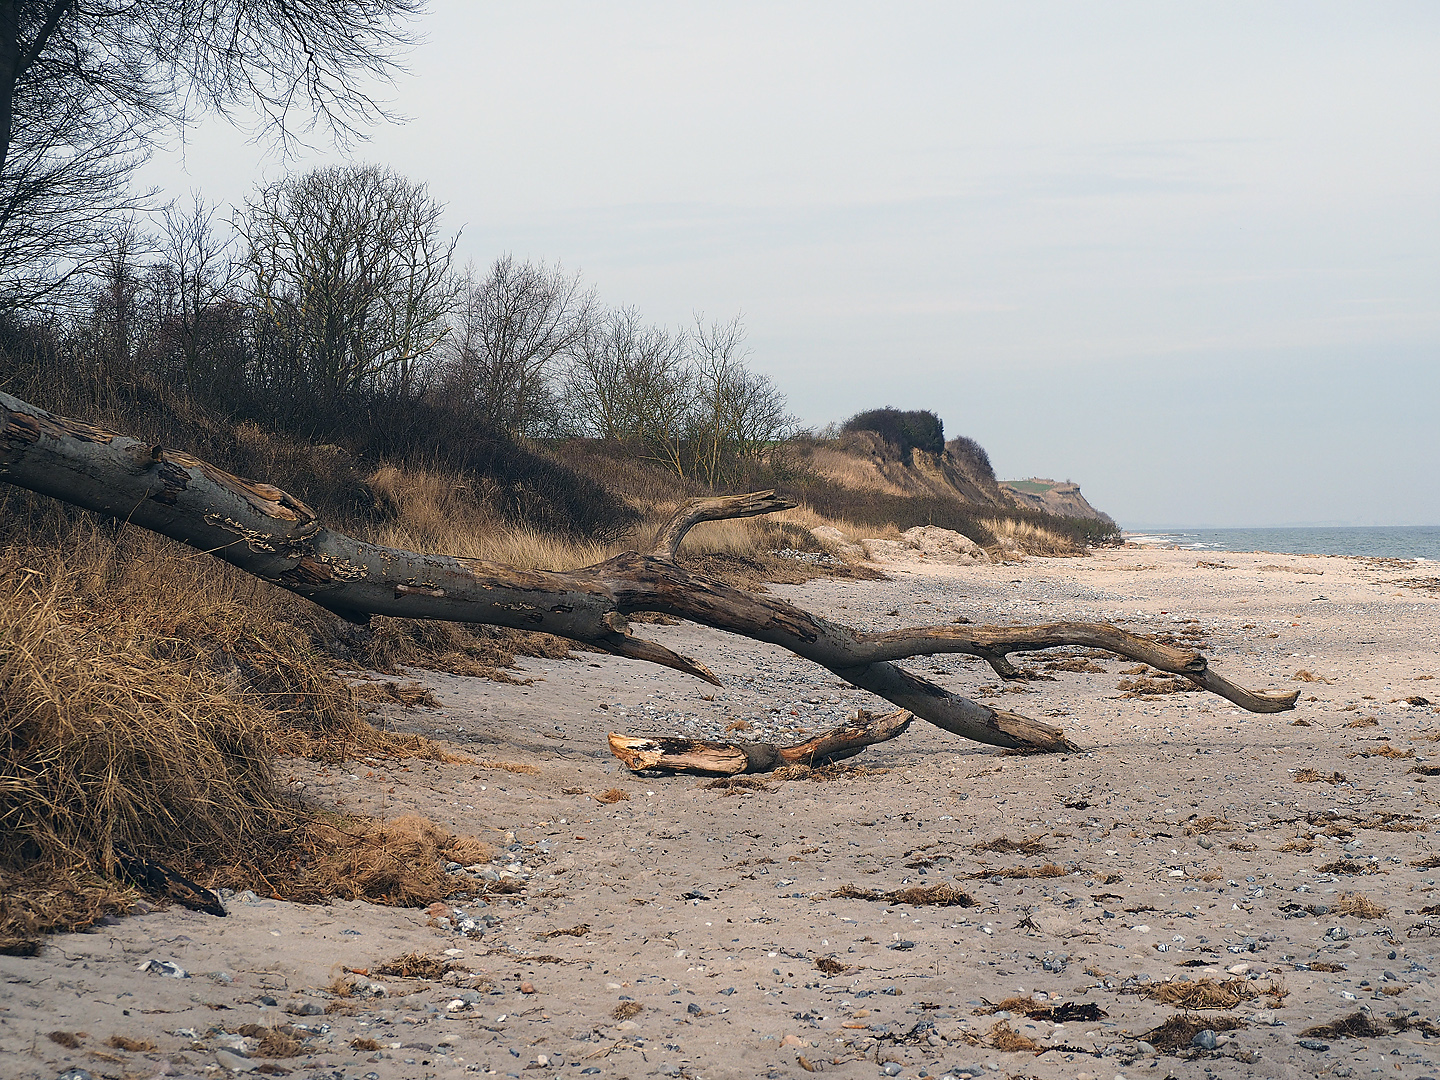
[(915, 429)]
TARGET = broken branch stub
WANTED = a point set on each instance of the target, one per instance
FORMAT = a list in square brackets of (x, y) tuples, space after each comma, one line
[(269, 533)]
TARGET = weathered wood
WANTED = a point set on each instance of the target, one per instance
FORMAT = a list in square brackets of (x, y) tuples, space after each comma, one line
[(679, 754), (268, 533), (720, 508)]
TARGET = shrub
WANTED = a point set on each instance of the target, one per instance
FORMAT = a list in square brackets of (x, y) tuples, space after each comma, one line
[(917, 429)]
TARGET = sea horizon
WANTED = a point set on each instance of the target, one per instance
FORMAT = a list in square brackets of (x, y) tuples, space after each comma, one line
[(1416, 542)]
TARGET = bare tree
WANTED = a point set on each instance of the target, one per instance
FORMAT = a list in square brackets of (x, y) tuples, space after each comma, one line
[(633, 383), (738, 413), (87, 85), (351, 279), (515, 328), (194, 289)]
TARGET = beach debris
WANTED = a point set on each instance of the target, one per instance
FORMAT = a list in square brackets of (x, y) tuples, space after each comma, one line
[(1208, 993), (915, 895), (1003, 845), (1026, 1005), (677, 754), (168, 968), (134, 1046), (267, 532), (1179, 1033), (165, 884)]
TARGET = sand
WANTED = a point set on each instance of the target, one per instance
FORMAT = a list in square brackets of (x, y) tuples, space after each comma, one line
[(690, 931)]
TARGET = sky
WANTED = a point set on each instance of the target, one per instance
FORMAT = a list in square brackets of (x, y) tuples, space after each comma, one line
[(1187, 256)]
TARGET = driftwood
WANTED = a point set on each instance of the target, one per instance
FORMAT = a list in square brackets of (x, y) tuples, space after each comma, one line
[(674, 753), (273, 535)]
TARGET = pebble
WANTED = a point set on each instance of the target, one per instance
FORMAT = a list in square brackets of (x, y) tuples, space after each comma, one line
[(75, 1074), (1205, 1040), (268, 1001), (228, 1059), (892, 1068), (527, 988), (305, 1008), (1313, 1044)]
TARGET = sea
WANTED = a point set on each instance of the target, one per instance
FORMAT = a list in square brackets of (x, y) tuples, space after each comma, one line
[(1416, 542)]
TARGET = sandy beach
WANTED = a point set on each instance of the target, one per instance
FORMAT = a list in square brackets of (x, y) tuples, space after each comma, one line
[(1256, 875)]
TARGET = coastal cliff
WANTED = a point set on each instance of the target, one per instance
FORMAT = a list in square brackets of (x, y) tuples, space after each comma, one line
[(1063, 499)]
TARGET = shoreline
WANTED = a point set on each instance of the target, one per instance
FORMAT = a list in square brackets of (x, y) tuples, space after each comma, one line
[(1183, 847)]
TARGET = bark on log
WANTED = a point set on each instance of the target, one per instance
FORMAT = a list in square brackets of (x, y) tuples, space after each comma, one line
[(269, 533)]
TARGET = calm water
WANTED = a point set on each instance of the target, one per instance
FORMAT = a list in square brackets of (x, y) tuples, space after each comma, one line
[(1396, 542)]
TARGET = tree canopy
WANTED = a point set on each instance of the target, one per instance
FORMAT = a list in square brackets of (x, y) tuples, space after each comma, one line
[(87, 86)]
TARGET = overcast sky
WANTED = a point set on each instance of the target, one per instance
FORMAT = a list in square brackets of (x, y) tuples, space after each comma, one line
[(1185, 255)]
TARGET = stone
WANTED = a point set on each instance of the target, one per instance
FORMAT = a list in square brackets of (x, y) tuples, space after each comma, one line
[(1204, 1040), (927, 543), (228, 1059)]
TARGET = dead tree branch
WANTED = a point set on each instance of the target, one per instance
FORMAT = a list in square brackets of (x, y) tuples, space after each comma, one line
[(268, 533)]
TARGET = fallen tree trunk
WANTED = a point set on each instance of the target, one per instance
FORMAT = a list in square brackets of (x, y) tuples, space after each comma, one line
[(269, 533)]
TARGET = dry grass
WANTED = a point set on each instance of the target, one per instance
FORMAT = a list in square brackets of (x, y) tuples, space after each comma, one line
[(519, 767), (613, 795), (1210, 994), (281, 1041), (627, 1009), (397, 862), (578, 930), (1078, 664), (1146, 687), (142, 705), (1357, 1025), (415, 966), (1048, 870), (919, 896), (1003, 1037), (1308, 676), (1362, 907), (409, 695), (1363, 721), (1029, 845), (1313, 776), (134, 1046), (1030, 538), (1386, 751), (1209, 824), (443, 513), (107, 742), (1347, 866)]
